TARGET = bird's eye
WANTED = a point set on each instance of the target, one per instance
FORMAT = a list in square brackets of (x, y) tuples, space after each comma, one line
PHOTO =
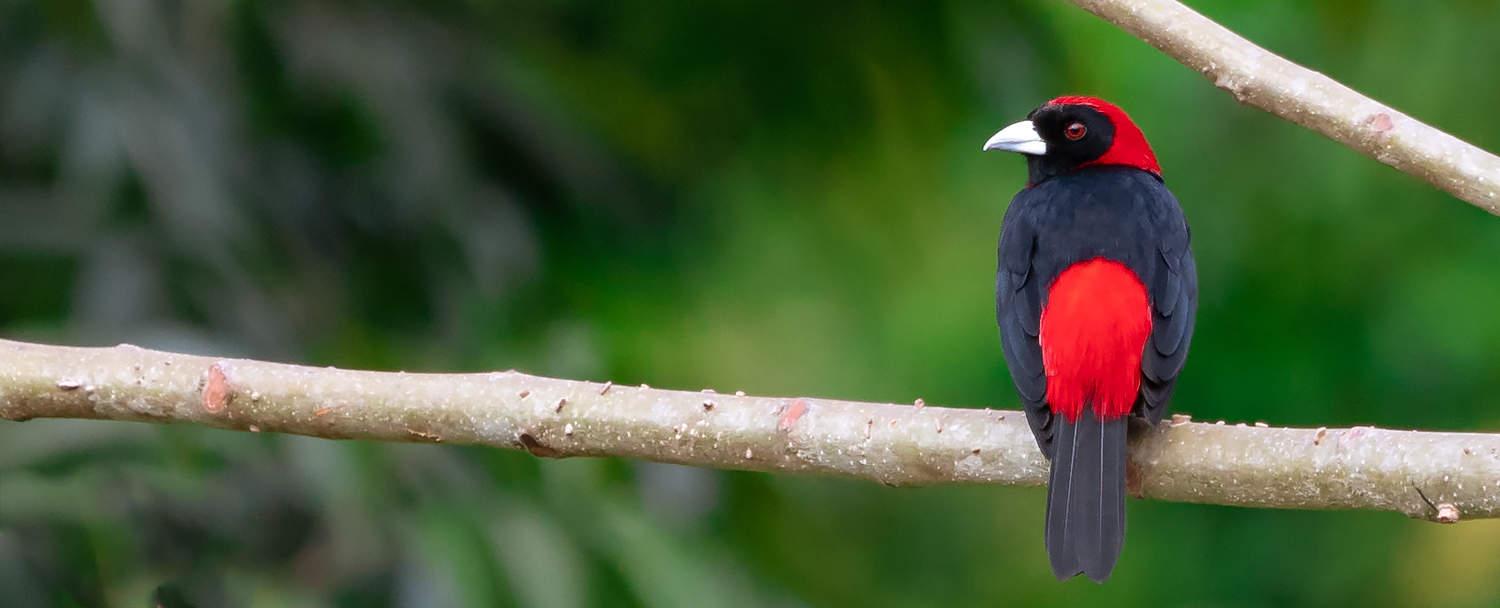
[(1075, 131)]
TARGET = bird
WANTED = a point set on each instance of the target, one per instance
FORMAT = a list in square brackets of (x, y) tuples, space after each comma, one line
[(1096, 291)]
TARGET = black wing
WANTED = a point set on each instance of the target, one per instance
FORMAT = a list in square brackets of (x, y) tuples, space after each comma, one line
[(1174, 304), (1019, 291)]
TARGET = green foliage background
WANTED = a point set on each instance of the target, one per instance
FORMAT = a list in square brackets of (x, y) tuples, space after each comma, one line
[(780, 198)]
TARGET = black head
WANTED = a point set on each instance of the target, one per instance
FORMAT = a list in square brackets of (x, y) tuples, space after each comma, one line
[(1070, 133)]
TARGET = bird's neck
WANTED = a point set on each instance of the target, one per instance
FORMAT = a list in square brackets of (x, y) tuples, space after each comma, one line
[(1043, 168)]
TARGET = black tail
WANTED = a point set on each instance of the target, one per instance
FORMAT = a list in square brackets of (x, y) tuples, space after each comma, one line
[(1086, 497)]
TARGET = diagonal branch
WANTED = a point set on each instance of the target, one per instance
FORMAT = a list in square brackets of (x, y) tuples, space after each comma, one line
[(1260, 78), (1436, 476)]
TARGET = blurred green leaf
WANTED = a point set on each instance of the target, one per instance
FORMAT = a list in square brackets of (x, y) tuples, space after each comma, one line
[(776, 198)]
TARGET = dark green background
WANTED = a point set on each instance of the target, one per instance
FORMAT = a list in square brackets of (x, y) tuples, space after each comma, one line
[(781, 198)]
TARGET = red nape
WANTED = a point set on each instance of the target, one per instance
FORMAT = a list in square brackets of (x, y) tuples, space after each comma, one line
[(1129, 147), (1094, 329)]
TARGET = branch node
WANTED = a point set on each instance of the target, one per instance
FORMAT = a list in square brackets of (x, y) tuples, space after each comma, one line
[(1379, 122), (790, 416), (1443, 513), (1447, 513), (216, 389), (536, 448)]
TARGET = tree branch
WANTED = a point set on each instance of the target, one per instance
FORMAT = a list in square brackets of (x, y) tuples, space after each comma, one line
[(1260, 78), (1435, 476)]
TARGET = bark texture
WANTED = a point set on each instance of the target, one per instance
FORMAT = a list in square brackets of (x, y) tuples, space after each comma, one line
[(1262, 79), (1435, 476)]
